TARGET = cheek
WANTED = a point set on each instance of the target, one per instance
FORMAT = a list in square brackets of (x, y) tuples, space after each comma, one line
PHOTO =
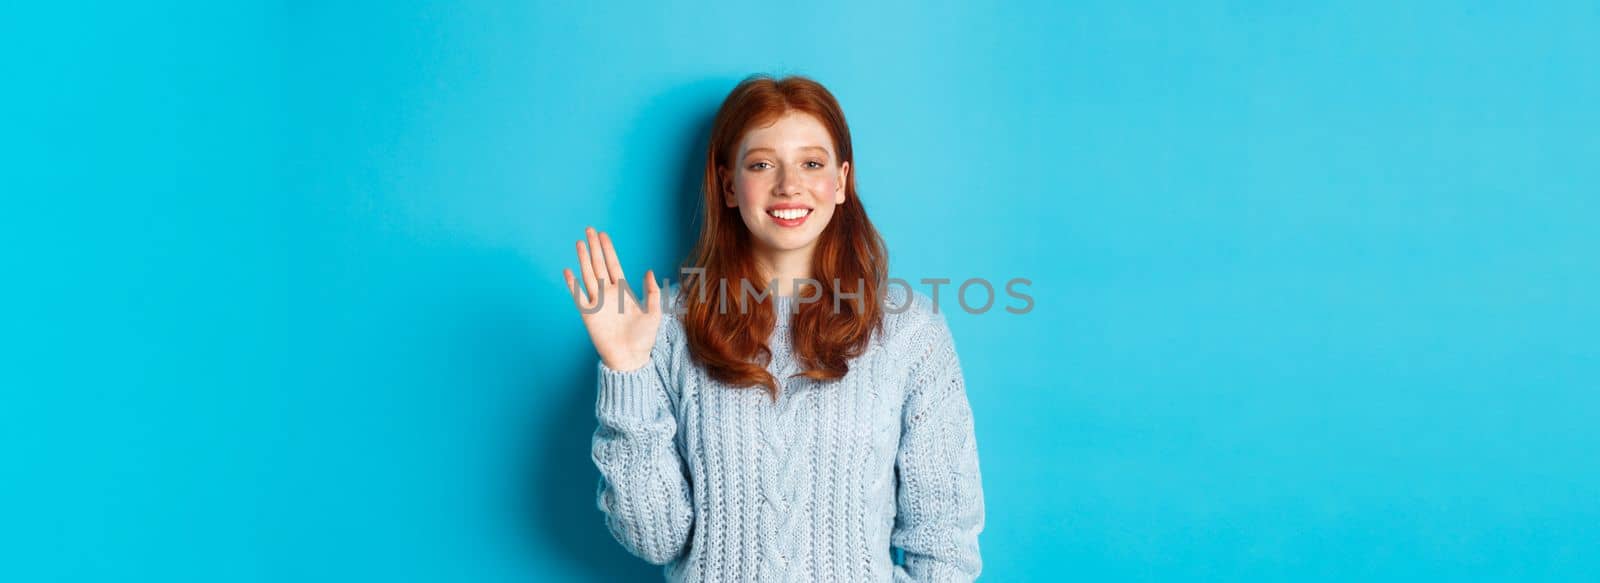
[(745, 190), (827, 190), (825, 185), (828, 183)]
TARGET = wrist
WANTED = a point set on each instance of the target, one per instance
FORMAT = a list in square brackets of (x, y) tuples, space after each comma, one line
[(629, 364)]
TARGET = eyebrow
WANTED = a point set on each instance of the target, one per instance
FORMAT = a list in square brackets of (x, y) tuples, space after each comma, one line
[(754, 150)]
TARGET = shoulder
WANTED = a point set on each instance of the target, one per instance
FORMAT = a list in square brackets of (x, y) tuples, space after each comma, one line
[(918, 340), (912, 322), (670, 351), (672, 302)]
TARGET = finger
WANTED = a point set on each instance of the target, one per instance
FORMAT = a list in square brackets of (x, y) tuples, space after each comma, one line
[(611, 257), (652, 291), (587, 268), (597, 257), (578, 296)]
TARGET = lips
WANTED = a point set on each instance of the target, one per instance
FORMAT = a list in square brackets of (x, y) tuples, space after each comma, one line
[(788, 215)]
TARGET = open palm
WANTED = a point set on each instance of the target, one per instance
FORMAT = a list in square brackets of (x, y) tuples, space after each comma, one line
[(623, 330)]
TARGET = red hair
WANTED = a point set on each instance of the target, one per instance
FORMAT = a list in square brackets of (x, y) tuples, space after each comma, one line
[(731, 344)]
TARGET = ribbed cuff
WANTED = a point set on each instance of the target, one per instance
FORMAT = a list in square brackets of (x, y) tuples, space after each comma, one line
[(635, 394)]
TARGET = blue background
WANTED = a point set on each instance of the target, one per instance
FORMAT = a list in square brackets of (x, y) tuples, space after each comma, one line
[(1316, 286)]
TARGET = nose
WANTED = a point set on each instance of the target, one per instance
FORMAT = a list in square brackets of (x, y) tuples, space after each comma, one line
[(788, 184)]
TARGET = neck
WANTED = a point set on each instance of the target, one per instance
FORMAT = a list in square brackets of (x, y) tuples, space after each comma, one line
[(787, 267)]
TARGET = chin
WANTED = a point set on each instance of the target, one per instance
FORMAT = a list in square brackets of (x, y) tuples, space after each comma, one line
[(792, 242), (787, 245)]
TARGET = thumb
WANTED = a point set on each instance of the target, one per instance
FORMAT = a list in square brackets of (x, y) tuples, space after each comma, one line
[(652, 292)]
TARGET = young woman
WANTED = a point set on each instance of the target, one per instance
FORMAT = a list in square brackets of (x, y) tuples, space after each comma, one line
[(794, 433)]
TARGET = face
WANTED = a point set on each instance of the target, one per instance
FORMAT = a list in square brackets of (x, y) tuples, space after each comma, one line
[(786, 181)]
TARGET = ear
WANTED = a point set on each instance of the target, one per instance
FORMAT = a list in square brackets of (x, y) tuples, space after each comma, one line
[(844, 179), (728, 199)]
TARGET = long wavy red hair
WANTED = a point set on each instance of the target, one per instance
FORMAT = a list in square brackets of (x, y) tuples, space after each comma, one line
[(731, 343)]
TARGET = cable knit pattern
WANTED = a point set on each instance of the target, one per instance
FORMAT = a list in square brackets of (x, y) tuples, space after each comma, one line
[(722, 484)]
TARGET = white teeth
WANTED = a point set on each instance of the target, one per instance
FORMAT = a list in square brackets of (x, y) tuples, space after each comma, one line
[(789, 214)]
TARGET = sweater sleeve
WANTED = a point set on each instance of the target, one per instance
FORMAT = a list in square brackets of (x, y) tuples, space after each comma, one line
[(643, 491), (939, 497)]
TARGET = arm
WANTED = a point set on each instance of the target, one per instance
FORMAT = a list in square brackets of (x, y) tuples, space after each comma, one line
[(643, 490), (940, 495)]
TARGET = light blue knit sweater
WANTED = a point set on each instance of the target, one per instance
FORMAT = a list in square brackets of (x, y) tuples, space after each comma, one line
[(723, 484)]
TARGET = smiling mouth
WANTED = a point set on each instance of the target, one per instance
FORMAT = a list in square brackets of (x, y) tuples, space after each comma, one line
[(789, 214), (789, 218)]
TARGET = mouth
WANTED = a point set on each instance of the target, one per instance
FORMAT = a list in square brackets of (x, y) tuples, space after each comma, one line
[(789, 217)]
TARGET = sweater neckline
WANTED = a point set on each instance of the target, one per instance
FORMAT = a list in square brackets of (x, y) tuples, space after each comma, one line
[(782, 310)]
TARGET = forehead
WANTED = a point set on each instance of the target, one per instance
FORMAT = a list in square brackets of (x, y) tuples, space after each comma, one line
[(792, 131)]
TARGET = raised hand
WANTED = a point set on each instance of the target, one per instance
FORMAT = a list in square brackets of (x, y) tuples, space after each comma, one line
[(623, 330)]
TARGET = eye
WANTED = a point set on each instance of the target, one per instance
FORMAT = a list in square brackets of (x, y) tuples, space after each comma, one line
[(815, 164), (758, 166)]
